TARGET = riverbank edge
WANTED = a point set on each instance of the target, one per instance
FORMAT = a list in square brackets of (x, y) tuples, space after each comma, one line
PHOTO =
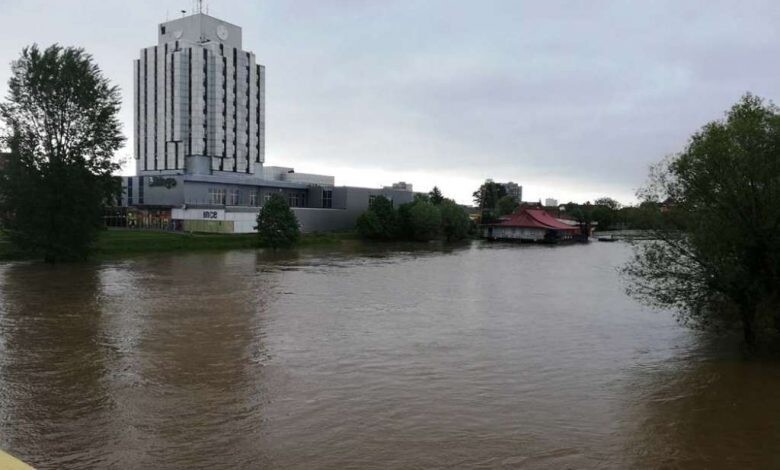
[(122, 242)]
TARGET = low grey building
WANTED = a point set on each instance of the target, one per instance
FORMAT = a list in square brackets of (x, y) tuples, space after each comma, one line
[(217, 203)]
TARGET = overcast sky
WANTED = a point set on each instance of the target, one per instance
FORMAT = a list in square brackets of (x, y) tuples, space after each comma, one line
[(573, 100)]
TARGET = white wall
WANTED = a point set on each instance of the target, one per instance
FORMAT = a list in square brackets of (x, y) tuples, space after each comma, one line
[(310, 220)]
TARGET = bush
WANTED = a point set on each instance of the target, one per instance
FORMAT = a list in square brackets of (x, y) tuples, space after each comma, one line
[(455, 223), (420, 220), (380, 221), (277, 226), (61, 123), (425, 220), (369, 226)]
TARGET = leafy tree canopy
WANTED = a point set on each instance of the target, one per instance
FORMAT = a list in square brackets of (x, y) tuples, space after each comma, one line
[(426, 221), (506, 205), (380, 221), (62, 127), (487, 196), (716, 257), (419, 220), (455, 222), (435, 196), (277, 226)]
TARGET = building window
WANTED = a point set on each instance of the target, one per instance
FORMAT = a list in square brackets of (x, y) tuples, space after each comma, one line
[(266, 198), (297, 200), (141, 190), (130, 191), (253, 198), (217, 196), (327, 199), (234, 196)]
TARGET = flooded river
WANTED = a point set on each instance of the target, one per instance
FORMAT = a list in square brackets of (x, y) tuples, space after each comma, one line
[(480, 356)]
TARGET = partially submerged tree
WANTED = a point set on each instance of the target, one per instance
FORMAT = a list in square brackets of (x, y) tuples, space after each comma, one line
[(583, 214), (380, 221), (62, 129), (455, 222), (716, 257), (277, 226), (426, 221), (419, 220)]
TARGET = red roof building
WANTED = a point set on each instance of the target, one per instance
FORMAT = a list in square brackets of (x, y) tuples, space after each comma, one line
[(527, 224)]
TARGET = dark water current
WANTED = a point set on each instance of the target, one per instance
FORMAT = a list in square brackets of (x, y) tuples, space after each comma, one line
[(481, 356)]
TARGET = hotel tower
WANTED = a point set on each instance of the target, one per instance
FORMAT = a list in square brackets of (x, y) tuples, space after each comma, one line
[(199, 101)]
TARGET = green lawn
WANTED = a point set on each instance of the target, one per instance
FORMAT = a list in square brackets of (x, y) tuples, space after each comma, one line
[(119, 242)]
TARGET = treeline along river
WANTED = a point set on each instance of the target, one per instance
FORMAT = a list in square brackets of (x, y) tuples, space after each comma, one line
[(382, 356)]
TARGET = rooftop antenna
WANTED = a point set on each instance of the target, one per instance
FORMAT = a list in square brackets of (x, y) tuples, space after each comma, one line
[(199, 6), (183, 12)]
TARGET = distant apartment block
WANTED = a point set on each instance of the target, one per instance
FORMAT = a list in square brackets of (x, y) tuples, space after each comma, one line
[(514, 190), (400, 186), (550, 202)]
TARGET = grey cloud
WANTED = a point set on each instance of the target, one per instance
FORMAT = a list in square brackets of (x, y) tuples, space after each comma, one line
[(576, 94)]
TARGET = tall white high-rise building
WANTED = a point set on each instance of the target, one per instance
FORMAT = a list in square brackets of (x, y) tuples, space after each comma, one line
[(199, 101)]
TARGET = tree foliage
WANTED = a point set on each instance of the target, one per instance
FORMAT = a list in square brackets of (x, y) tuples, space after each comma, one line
[(607, 202), (455, 222), (506, 205), (380, 221), (716, 259), (277, 226), (425, 220), (487, 196), (419, 220), (435, 196), (62, 129)]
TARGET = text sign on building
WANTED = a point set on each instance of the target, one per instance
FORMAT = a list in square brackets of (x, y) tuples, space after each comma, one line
[(210, 214), (168, 183)]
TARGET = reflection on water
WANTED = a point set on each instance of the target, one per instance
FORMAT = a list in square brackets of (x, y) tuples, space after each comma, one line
[(388, 356)]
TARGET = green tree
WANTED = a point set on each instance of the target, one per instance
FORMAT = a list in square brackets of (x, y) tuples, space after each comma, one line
[(506, 205), (583, 214), (421, 197), (716, 257), (455, 222), (62, 129), (405, 229), (487, 196), (607, 202), (380, 221), (277, 226), (435, 196), (425, 221)]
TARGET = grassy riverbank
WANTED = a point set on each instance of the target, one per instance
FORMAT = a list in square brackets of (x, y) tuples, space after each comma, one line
[(122, 242)]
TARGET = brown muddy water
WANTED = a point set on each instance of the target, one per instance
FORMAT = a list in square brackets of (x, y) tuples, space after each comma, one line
[(481, 356)]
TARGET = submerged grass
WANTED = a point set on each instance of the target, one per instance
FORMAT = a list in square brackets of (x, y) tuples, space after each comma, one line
[(118, 242)]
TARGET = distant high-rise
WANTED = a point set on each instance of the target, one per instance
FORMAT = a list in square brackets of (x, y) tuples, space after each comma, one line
[(550, 202), (199, 101), (514, 190)]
